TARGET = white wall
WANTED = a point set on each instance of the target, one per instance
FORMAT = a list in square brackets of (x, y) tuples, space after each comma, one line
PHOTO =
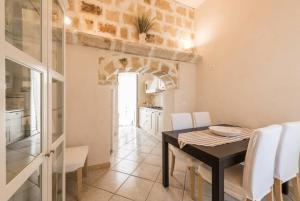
[(183, 99), (89, 105), (250, 74)]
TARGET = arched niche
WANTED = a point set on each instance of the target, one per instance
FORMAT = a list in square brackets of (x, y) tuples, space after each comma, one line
[(110, 66)]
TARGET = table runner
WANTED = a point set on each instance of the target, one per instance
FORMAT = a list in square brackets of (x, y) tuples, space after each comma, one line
[(207, 138)]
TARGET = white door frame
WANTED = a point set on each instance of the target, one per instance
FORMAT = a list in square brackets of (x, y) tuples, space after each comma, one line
[(10, 52)]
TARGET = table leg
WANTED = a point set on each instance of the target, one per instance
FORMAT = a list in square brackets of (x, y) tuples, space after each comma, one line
[(217, 183), (165, 163), (285, 188)]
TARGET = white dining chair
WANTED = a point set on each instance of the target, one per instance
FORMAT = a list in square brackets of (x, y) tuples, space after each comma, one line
[(201, 119), (181, 121), (255, 179), (287, 160)]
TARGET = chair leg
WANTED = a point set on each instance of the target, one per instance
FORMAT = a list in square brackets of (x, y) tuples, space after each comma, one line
[(296, 188), (172, 164), (85, 168), (200, 188), (79, 183), (270, 196), (278, 190), (192, 180)]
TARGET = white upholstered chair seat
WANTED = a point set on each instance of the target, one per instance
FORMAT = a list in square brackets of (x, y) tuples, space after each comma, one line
[(182, 156), (233, 179)]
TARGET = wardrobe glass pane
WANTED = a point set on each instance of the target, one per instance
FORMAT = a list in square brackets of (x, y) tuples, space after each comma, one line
[(23, 117), (23, 25), (57, 109), (31, 189), (57, 37), (57, 174)]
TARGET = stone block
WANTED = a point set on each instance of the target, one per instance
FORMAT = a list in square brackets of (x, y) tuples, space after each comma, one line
[(93, 41), (150, 38), (164, 5), (188, 24), (89, 24), (71, 5), (169, 19), (181, 10), (124, 33), (159, 40), (107, 28), (178, 21), (90, 8), (158, 15), (172, 44), (138, 49), (162, 53), (136, 62), (75, 22), (112, 15), (170, 30), (192, 14), (147, 2), (105, 1), (128, 19)]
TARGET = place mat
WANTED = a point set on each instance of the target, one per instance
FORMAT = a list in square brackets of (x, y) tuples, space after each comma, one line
[(209, 139)]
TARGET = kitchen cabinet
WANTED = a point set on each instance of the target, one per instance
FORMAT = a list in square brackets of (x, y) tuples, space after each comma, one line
[(151, 120), (14, 128)]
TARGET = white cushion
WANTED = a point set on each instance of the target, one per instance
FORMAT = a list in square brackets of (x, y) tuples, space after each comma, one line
[(255, 180), (184, 157), (233, 179), (75, 157), (181, 121), (201, 119), (287, 158)]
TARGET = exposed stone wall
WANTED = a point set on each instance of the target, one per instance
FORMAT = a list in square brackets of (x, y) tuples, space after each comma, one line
[(114, 19), (110, 66)]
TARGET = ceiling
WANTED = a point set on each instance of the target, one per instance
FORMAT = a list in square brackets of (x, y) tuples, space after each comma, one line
[(191, 3)]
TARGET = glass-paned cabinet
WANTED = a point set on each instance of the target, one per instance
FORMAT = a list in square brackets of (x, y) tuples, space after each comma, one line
[(32, 103)]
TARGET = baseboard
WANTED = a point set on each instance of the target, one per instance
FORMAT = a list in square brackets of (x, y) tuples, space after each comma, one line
[(99, 166)]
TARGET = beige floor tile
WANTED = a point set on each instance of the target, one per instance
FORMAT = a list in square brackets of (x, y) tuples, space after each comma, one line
[(147, 171), (125, 166), (153, 160), (88, 193), (145, 149), (157, 151), (119, 198), (136, 156), (110, 181), (121, 153), (135, 188), (92, 175), (159, 193), (176, 181)]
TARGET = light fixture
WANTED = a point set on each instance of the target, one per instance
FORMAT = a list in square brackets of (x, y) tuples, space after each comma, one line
[(67, 20), (186, 43)]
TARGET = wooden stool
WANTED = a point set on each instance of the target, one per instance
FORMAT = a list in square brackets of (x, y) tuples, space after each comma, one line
[(76, 160)]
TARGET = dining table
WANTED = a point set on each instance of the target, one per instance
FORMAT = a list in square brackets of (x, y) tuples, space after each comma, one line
[(217, 157)]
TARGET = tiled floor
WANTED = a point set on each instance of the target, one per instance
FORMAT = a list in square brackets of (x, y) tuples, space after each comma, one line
[(135, 174)]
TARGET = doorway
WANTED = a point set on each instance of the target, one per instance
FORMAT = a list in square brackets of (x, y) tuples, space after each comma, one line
[(127, 99)]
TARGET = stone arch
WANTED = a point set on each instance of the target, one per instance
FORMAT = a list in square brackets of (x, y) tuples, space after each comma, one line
[(110, 66)]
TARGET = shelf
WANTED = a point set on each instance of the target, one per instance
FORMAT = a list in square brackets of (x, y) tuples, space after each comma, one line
[(146, 50)]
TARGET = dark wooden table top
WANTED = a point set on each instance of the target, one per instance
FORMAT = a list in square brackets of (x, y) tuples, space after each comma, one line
[(227, 154)]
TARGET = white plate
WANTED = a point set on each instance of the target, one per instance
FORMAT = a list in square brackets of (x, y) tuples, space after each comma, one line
[(226, 131)]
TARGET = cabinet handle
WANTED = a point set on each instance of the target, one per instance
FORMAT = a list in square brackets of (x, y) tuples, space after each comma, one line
[(47, 155), (52, 151)]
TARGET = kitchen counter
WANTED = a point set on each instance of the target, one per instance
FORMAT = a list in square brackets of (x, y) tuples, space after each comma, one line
[(152, 107)]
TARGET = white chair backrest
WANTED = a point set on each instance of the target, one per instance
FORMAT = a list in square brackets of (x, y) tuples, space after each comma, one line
[(201, 119), (287, 159), (259, 168), (181, 121)]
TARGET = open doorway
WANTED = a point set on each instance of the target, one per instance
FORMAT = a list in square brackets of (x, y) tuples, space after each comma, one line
[(127, 99)]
